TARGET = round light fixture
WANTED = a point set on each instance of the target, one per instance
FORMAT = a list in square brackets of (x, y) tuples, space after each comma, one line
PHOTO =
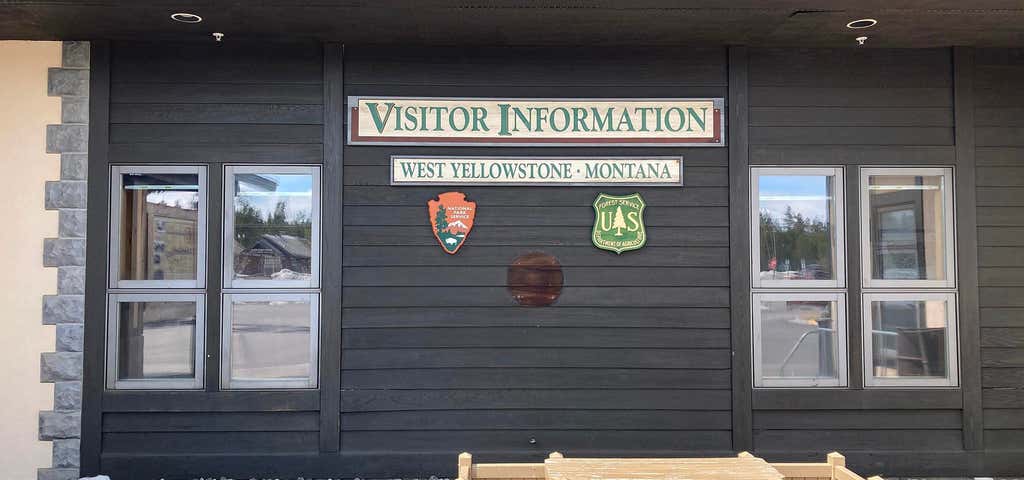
[(862, 23), (186, 18)]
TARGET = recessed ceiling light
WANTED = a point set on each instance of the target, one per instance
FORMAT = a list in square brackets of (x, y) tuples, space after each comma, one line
[(186, 18), (862, 23)]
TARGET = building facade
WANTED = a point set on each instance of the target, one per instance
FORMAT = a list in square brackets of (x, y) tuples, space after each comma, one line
[(838, 267)]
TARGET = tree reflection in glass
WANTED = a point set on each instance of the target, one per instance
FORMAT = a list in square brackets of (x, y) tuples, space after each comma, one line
[(273, 226), (797, 218)]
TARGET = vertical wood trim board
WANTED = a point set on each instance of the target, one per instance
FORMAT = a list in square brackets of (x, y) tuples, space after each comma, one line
[(96, 259), (331, 286), (739, 239), (967, 247), (854, 315), (214, 278)]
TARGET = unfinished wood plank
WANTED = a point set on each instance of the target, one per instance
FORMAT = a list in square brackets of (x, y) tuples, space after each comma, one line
[(737, 468), (465, 466), (843, 473), (507, 471), (803, 470)]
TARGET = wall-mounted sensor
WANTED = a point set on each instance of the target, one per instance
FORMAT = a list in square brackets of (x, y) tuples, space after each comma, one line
[(218, 36), (861, 40)]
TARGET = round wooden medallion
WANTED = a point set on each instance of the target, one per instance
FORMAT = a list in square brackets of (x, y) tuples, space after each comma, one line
[(535, 279)]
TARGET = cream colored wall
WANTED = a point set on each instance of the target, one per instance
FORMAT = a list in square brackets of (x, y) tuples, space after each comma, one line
[(25, 110)]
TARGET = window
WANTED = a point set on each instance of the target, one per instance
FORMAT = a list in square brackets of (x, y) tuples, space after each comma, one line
[(158, 227), (155, 341), (907, 227), (909, 277), (910, 339), (272, 232), (270, 340), (157, 241), (800, 339), (799, 277), (271, 268), (799, 240)]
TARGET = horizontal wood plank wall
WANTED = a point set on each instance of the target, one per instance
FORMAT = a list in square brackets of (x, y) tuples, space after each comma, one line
[(211, 104), (437, 358), (999, 155), (634, 358), (852, 108)]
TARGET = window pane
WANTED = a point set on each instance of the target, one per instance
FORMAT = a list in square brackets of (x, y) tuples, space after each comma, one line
[(798, 339), (157, 340), (907, 227), (273, 226), (797, 218), (270, 339), (159, 226), (908, 338)]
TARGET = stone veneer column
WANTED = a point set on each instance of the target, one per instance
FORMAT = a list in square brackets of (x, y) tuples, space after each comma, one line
[(63, 367)]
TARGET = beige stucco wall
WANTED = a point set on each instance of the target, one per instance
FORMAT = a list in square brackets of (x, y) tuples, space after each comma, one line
[(25, 110)]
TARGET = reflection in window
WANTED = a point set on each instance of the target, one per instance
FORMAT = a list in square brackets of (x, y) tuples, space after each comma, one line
[(159, 226), (270, 341), (797, 214), (908, 338), (156, 340), (798, 340), (273, 226), (907, 227)]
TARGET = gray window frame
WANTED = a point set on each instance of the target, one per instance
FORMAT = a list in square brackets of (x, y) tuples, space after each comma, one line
[(839, 229), (115, 209), (795, 290), (841, 352), (911, 289), (112, 342), (228, 229), (264, 289), (948, 234), (952, 379), (312, 382)]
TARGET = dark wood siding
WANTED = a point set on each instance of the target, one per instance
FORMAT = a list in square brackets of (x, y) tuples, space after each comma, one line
[(853, 108), (999, 120), (202, 103), (635, 354), (206, 103), (638, 356)]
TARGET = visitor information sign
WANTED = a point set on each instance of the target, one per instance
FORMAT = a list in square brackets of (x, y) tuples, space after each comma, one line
[(655, 122), (537, 171)]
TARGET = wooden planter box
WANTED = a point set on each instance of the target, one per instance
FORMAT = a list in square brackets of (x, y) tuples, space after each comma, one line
[(742, 467)]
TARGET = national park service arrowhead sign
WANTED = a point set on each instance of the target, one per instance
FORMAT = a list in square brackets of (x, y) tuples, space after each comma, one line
[(619, 222), (451, 217)]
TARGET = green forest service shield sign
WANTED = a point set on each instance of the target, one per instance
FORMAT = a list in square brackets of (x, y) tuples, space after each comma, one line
[(619, 222)]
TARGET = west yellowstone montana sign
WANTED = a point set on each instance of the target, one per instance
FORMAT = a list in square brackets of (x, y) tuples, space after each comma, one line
[(536, 171), (536, 122)]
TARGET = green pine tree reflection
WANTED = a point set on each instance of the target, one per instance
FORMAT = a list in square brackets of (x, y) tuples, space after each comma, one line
[(796, 243)]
